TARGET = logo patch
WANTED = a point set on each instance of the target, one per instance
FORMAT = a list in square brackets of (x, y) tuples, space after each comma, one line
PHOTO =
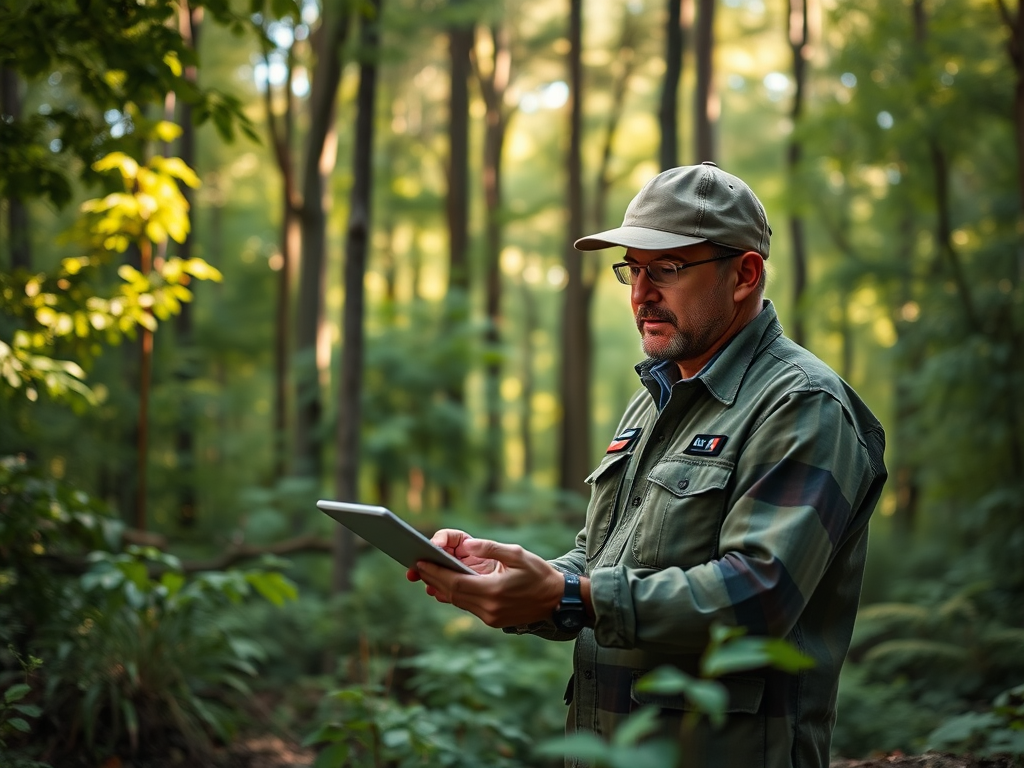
[(622, 442), (707, 445)]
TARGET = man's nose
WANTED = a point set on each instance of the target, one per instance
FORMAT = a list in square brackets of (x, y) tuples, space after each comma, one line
[(644, 290)]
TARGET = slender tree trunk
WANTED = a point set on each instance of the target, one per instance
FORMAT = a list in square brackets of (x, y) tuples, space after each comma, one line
[(281, 129), (356, 247), (705, 109), (799, 42), (526, 410), (620, 87), (189, 20), (460, 43), (680, 19), (574, 445), (1015, 49), (17, 213), (145, 381), (940, 170), (318, 162), (493, 84)]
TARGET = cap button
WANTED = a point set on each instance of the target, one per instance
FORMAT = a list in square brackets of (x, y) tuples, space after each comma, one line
[(708, 162)]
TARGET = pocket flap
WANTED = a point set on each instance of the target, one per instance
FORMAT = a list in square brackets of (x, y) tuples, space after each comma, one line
[(684, 477), (607, 463), (745, 695)]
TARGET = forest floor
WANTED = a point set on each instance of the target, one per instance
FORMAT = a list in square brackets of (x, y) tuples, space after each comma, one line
[(274, 752)]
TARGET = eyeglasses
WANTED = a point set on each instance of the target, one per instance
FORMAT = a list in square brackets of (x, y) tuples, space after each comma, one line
[(661, 272)]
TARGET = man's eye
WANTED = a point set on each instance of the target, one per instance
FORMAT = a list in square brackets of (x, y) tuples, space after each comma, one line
[(634, 270), (663, 270)]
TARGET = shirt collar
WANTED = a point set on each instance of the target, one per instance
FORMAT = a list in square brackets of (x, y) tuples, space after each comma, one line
[(724, 372)]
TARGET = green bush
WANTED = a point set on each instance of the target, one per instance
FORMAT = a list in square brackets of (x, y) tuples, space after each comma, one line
[(139, 660)]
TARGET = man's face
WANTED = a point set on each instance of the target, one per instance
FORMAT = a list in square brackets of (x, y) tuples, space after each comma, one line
[(681, 321)]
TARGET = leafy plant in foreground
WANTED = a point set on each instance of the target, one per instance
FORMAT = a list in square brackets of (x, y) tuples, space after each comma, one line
[(728, 651), (139, 655), (996, 731)]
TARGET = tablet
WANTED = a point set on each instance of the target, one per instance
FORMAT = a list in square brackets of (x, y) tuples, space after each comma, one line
[(390, 534)]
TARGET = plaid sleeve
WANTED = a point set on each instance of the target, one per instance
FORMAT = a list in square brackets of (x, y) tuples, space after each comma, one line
[(802, 484)]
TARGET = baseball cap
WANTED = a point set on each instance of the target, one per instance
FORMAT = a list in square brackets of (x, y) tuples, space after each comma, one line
[(689, 205)]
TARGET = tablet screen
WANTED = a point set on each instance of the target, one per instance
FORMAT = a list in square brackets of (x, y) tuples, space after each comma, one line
[(390, 534)]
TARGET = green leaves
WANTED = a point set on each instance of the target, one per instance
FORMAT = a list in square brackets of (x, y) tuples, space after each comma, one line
[(729, 651)]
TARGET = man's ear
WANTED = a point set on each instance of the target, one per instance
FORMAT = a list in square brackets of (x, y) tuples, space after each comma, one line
[(748, 275)]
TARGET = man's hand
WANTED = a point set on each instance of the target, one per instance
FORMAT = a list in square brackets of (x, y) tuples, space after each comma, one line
[(513, 587)]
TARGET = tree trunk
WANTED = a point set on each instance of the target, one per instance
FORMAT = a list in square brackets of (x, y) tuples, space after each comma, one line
[(799, 40), (17, 213), (493, 84), (189, 20), (145, 382), (460, 43), (574, 445), (677, 29), (356, 247), (705, 103), (317, 165), (281, 130)]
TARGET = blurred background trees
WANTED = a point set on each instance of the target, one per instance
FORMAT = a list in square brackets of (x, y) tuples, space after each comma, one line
[(257, 253)]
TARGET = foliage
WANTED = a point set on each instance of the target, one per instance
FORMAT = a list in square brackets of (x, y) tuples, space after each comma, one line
[(462, 706), (41, 519), (997, 731), (13, 710), (139, 656), (119, 57), (68, 310), (946, 652), (729, 650)]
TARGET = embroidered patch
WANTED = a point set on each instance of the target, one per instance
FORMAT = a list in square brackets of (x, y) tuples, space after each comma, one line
[(624, 440), (707, 445)]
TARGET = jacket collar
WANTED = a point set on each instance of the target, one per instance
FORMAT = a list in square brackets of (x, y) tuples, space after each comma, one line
[(724, 374)]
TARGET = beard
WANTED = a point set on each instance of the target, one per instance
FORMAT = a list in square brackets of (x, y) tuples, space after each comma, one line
[(682, 343)]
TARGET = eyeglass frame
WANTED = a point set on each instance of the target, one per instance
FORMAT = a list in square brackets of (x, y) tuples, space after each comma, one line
[(678, 266)]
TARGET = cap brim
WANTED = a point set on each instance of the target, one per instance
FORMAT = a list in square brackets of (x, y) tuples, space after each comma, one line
[(636, 237)]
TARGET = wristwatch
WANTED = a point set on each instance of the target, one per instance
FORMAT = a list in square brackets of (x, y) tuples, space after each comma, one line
[(570, 614)]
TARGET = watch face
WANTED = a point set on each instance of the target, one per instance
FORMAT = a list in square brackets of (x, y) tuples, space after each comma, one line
[(569, 619)]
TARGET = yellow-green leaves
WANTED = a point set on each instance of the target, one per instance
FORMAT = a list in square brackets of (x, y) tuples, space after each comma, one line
[(74, 308), (152, 205)]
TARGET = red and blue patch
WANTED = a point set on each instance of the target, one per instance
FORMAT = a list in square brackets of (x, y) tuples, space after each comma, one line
[(623, 441), (706, 445)]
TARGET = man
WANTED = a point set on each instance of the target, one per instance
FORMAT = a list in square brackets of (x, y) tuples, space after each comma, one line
[(736, 489)]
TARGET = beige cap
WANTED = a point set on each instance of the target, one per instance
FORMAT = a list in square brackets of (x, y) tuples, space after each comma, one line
[(689, 205)]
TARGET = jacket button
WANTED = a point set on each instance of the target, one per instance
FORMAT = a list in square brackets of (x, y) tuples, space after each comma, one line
[(636, 501), (588, 674), (683, 485)]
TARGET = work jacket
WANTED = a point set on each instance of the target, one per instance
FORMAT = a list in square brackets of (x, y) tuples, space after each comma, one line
[(744, 501)]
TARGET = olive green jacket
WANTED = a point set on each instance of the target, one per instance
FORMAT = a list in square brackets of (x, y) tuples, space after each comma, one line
[(744, 501)]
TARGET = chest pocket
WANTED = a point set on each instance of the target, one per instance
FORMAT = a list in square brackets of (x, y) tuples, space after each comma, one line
[(682, 514), (604, 482)]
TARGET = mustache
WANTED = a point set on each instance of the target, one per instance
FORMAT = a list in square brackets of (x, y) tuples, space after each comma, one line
[(653, 312)]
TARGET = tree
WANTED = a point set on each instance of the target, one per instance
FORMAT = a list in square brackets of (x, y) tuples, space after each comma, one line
[(574, 429), (677, 28), (356, 248), (705, 100), (799, 43), (494, 77)]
